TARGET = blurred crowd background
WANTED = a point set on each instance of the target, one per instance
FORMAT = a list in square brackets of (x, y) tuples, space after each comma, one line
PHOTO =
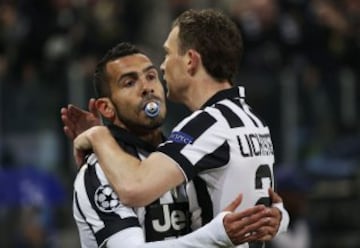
[(301, 70)]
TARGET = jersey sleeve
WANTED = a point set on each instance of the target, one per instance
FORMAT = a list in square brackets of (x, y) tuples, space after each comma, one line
[(197, 144), (98, 212), (132, 237)]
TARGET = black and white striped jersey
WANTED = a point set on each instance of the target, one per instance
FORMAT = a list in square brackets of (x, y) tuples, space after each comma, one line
[(99, 213), (223, 149)]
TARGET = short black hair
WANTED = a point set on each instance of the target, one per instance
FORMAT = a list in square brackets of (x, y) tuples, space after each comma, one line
[(100, 80)]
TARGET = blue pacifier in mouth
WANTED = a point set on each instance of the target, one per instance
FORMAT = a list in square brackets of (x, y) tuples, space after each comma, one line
[(152, 109)]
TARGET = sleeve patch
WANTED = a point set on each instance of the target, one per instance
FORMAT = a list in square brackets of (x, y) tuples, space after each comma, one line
[(180, 137)]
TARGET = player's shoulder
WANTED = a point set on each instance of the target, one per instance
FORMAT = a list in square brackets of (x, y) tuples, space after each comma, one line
[(206, 116), (80, 175), (90, 170)]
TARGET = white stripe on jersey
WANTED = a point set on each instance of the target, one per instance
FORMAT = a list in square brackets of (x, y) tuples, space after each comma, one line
[(84, 203), (241, 91)]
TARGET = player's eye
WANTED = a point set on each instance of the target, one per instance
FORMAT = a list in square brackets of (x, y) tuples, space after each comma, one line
[(151, 76), (129, 83)]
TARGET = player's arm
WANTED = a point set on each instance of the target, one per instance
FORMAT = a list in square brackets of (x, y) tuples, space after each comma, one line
[(137, 183), (243, 226), (211, 235), (225, 230)]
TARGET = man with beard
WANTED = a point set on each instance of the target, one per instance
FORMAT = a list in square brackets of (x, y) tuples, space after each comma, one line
[(131, 98), (222, 148)]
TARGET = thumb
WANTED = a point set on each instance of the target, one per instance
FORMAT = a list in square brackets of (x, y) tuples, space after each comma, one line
[(79, 157), (275, 198), (234, 204), (92, 107)]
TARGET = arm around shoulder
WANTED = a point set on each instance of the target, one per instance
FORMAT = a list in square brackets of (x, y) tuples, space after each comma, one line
[(155, 176), (137, 183)]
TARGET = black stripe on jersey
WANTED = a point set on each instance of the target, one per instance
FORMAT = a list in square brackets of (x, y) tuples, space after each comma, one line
[(81, 212), (115, 227), (216, 159), (257, 244), (112, 222), (173, 151), (221, 95), (204, 200), (201, 122), (194, 128), (237, 102), (232, 118)]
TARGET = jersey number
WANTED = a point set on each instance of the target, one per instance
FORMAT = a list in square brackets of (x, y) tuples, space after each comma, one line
[(263, 181)]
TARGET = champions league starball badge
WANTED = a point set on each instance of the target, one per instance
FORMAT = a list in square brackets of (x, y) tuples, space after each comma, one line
[(152, 109), (106, 199)]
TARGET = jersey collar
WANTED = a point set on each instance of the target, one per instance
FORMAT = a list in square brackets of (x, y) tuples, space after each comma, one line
[(234, 92)]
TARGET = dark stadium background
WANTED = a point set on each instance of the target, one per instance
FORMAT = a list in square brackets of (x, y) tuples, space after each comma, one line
[(300, 68)]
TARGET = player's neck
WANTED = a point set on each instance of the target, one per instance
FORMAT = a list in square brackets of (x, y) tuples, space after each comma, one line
[(154, 137), (202, 91)]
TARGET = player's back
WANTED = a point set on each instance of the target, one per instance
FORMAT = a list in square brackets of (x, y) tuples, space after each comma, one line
[(249, 169), (223, 149)]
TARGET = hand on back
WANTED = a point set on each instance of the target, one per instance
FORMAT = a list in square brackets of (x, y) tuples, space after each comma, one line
[(258, 223), (77, 120)]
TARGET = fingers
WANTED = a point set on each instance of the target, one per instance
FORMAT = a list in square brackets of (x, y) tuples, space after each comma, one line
[(67, 117), (75, 112), (246, 226), (248, 220), (69, 133), (264, 235), (275, 220), (92, 107), (239, 221), (275, 198), (271, 226), (258, 223), (274, 213), (266, 232), (234, 204), (254, 236), (246, 213), (68, 124)]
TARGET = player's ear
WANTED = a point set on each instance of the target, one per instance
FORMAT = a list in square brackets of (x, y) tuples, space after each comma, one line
[(193, 61), (105, 107)]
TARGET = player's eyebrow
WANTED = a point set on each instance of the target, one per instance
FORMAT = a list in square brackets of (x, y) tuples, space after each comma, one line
[(134, 74), (150, 67)]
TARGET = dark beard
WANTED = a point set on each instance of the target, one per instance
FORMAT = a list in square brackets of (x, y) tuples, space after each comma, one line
[(140, 128)]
